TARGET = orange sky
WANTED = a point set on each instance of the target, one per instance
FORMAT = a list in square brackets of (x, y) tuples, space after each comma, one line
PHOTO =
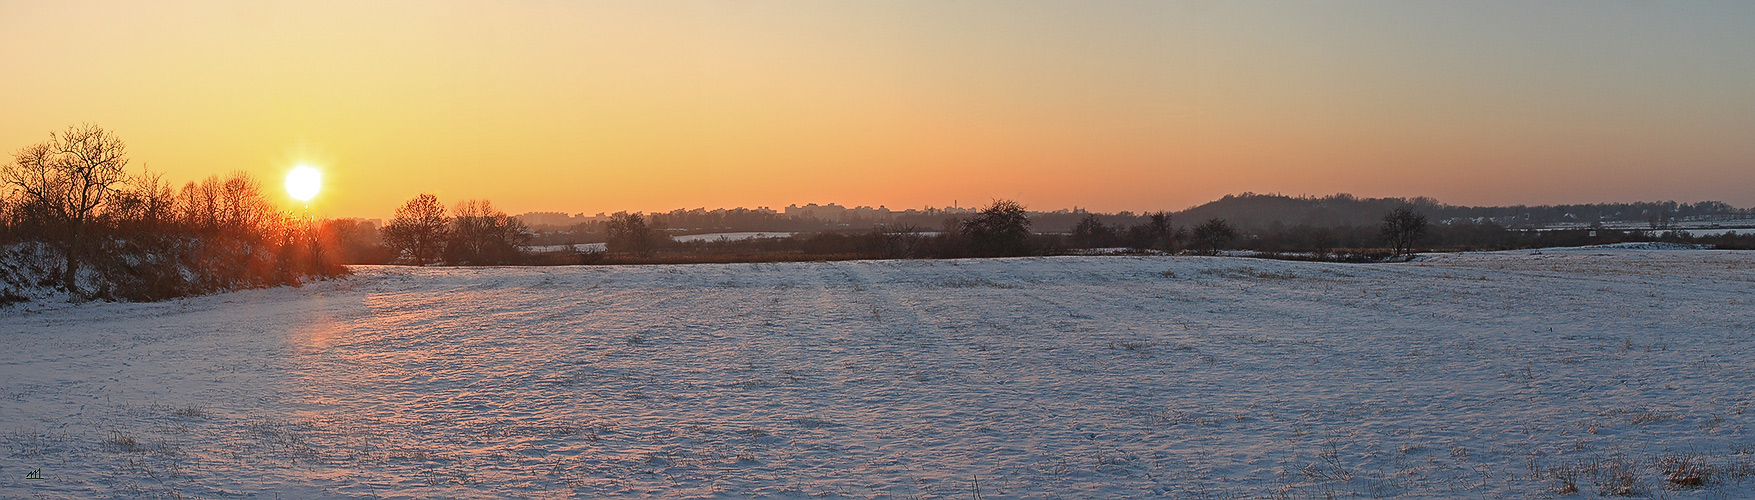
[(589, 107)]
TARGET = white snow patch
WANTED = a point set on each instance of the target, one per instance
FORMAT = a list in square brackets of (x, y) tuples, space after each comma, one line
[(730, 236), (576, 247), (1115, 251), (1652, 245)]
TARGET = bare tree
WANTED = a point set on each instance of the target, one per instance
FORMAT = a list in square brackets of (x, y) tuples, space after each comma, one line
[(1090, 232), (1402, 227), (145, 207), (70, 178), (1213, 235), (199, 204), (158, 203), (244, 208), (1157, 233), (481, 234), (1001, 229), (629, 233), (419, 229)]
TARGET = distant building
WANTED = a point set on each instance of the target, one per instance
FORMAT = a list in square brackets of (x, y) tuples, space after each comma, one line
[(837, 213), (830, 212), (556, 220)]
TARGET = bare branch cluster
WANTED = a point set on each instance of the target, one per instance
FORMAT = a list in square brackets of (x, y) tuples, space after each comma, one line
[(475, 233)]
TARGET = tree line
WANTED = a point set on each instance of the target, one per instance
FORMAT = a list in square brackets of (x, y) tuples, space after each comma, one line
[(1002, 229), (1251, 211), (471, 233), (94, 228), (83, 222), (1006, 229), (1248, 213)]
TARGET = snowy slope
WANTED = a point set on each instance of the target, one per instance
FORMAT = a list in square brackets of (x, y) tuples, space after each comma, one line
[(1459, 375)]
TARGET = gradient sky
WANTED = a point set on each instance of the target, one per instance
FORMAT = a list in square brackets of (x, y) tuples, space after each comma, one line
[(1136, 105)]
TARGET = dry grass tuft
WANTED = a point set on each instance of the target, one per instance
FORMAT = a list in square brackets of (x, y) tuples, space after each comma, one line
[(1685, 470), (1567, 478), (1617, 476), (122, 442), (1651, 416)]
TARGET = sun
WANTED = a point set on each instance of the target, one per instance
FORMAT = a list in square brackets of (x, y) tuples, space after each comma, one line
[(303, 182)]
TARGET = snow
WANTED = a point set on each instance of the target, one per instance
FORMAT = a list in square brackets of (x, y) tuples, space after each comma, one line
[(1115, 251), (576, 247), (25, 269), (1652, 245), (1456, 375), (730, 236), (1709, 232), (600, 247)]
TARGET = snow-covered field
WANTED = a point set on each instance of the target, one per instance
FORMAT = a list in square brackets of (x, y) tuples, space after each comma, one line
[(1482, 375)]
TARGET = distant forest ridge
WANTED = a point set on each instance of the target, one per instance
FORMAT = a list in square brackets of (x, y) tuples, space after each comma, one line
[(1251, 210), (1247, 212)]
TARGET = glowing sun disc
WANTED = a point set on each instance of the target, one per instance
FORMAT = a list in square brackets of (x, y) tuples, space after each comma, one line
[(302, 183)]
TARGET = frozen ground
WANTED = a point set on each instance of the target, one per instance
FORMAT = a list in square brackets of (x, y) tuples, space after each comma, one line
[(1488, 375)]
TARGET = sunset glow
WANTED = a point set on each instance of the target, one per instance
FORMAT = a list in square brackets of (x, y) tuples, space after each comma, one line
[(591, 107)]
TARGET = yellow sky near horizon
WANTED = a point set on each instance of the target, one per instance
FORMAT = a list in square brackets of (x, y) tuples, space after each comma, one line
[(647, 106)]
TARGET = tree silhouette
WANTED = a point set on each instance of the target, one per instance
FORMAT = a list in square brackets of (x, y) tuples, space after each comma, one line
[(1090, 232), (67, 180), (629, 233), (1213, 235), (1001, 229), (481, 234), (1156, 233), (419, 229), (1402, 227)]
